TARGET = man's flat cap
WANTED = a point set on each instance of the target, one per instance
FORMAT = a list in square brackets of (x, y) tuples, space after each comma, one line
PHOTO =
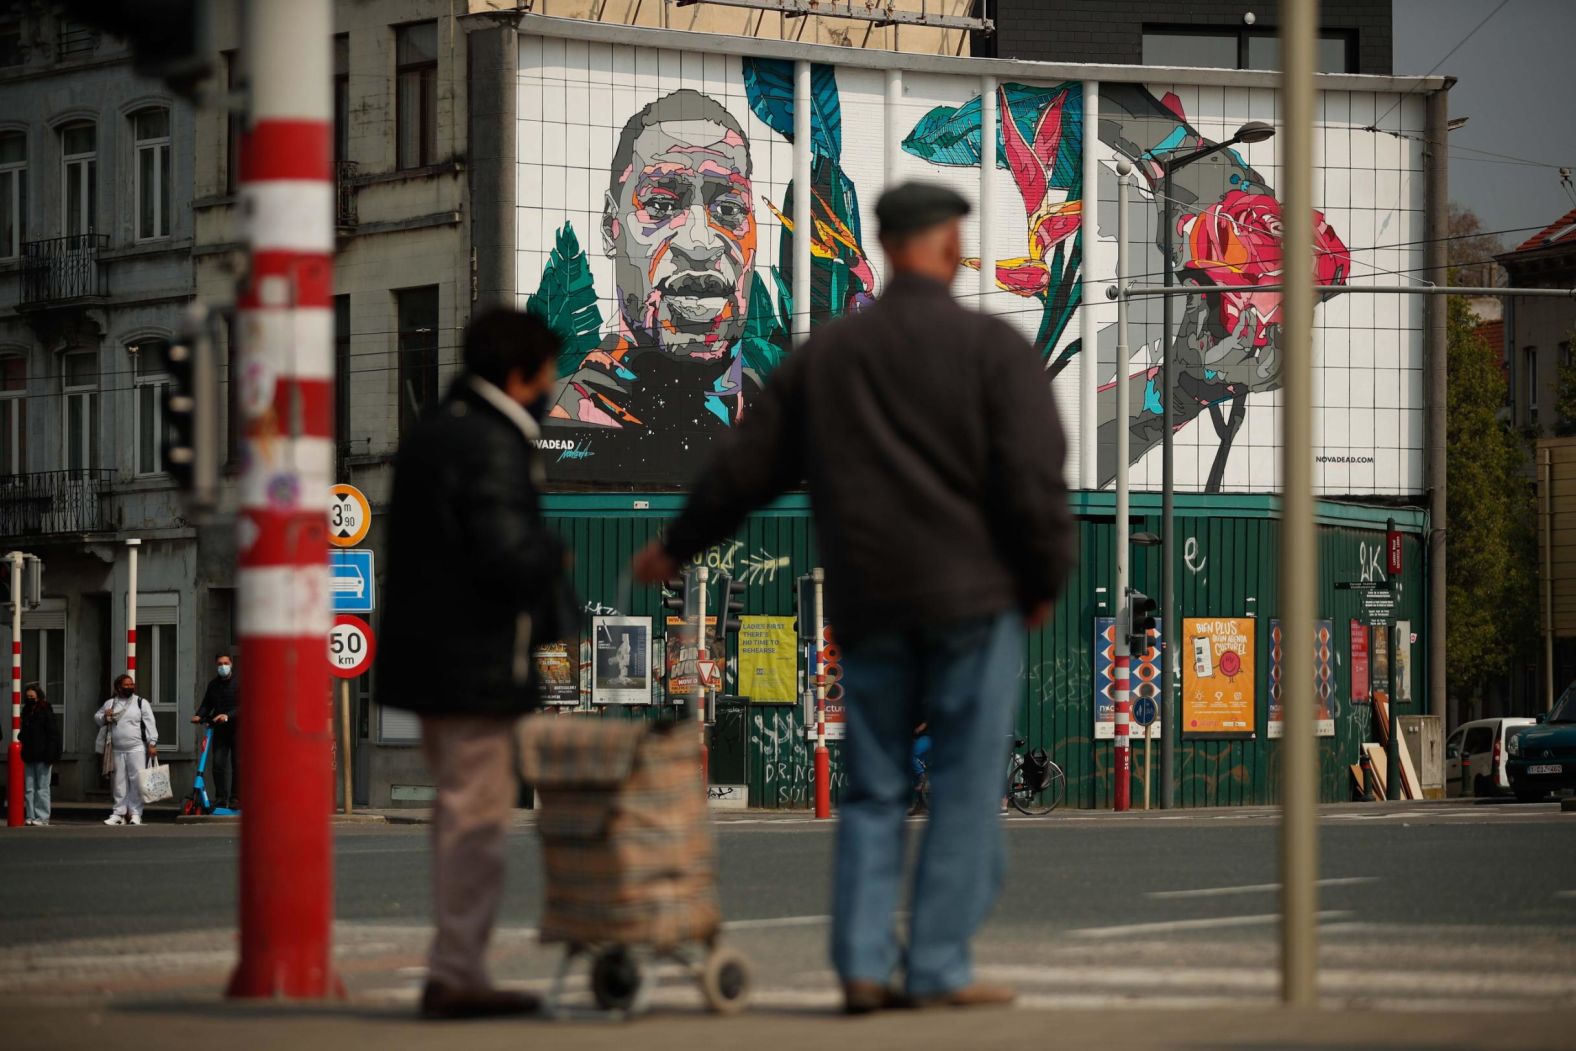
[(914, 206)]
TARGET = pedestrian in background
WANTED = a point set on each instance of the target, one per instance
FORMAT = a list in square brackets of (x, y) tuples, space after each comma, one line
[(40, 751), (221, 710), (126, 726), (475, 583), (932, 448)]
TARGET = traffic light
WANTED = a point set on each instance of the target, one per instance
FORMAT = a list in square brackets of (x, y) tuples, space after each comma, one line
[(168, 38), (728, 607), (33, 582), (191, 411), (673, 592), (1140, 621)]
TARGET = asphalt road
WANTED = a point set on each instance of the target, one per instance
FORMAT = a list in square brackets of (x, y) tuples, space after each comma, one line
[(1430, 909)]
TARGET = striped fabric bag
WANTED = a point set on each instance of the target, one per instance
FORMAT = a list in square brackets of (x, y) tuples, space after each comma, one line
[(625, 835)]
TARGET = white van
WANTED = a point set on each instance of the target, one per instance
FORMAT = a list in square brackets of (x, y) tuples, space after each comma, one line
[(1475, 757)]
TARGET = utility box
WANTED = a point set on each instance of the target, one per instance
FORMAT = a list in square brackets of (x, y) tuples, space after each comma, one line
[(1424, 736)]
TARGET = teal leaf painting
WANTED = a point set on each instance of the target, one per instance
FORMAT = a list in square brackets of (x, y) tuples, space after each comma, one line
[(950, 135), (566, 299), (768, 82)]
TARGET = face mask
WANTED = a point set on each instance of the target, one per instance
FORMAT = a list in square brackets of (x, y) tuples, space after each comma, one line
[(224, 671), (124, 691)]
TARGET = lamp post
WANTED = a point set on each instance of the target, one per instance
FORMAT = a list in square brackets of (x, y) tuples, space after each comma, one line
[(1253, 131)]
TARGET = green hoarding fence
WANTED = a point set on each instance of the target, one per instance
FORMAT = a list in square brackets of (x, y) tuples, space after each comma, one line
[(1227, 562)]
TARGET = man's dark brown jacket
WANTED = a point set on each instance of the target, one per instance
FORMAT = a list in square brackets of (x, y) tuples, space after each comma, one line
[(933, 451)]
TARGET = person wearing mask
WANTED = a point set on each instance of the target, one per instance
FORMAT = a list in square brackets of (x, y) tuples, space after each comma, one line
[(126, 724), (933, 453), (221, 709), (40, 751), (475, 583)]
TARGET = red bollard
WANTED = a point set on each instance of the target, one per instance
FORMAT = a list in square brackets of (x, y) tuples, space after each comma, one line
[(823, 781)]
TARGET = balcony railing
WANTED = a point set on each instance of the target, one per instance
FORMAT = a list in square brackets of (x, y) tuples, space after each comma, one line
[(344, 194), (63, 268), (54, 502)]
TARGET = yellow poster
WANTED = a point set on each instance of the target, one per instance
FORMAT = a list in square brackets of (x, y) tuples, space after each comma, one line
[(1217, 675), (768, 660)]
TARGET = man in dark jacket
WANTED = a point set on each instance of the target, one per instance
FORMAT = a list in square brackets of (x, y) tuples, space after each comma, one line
[(473, 583), (931, 444), (221, 710)]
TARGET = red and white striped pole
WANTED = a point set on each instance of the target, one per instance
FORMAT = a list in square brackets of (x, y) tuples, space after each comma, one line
[(823, 757), (1122, 757), (286, 396), (1124, 709), (132, 547), (13, 754)]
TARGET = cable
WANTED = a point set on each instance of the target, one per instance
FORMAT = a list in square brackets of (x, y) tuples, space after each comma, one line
[(1445, 59)]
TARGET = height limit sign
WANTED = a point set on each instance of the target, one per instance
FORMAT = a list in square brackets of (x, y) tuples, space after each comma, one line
[(349, 516), (350, 646)]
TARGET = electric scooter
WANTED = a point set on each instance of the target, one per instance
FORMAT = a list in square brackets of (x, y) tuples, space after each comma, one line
[(198, 802)]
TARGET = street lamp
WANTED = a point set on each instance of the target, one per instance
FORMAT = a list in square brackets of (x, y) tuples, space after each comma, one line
[(1252, 131)]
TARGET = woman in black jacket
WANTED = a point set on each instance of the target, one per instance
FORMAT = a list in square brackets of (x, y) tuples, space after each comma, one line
[(40, 751)]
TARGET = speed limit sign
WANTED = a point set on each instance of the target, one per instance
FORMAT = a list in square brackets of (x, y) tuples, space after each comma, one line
[(350, 646)]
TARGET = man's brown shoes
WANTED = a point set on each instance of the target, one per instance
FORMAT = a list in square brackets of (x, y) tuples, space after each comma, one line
[(444, 1002), (976, 995), (865, 997)]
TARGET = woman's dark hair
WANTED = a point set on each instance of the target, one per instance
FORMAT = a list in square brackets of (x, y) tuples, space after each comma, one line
[(499, 340), (36, 688), (122, 677)]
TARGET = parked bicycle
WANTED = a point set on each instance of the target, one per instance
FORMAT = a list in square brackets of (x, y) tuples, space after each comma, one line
[(1035, 784)]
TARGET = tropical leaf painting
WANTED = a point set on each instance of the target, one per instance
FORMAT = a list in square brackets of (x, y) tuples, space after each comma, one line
[(566, 299), (765, 341), (950, 135), (768, 82)]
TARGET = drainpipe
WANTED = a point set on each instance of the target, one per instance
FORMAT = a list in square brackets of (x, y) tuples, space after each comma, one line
[(1437, 357)]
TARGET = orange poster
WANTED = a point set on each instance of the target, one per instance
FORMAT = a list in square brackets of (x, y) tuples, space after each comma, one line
[(1217, 675)]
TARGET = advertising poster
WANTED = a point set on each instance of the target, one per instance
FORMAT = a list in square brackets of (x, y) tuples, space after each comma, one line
[(1217, 675), (682, 654), (1380, 664), (1323, 679), (557, 676), (621, 660), (1359, 662), (768, 659), (1143, 677), (1403, 662), (831, 657)]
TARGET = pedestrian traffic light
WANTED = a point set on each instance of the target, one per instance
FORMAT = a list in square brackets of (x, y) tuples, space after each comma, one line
[(33, 582), (673, 594), (1140, 620)]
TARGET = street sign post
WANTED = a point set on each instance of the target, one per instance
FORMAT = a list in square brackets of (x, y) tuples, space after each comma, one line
[(349, 516), (1145, 712), (351, 581)]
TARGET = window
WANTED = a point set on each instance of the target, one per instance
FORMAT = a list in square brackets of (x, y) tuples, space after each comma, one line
[(342, 373), (11, 53), (341, 96), (232, 137), (151, 133), (13, 193), (13, 414), (1529, 379), (416, 63), (418, 353), (1480, 739), (44, 662), (79, 157), (158, 670), (232, 392), (152, 367), (1230, 48), (75, 39), (81, 418), (1452, 746)]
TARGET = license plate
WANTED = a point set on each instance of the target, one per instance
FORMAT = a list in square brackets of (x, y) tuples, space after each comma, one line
[(1546, 768)]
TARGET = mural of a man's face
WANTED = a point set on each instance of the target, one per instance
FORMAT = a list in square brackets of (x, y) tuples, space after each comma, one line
[(681, 231)]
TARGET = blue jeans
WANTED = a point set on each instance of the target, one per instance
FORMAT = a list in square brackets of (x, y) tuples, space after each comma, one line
[(35, 780), (963, 680)]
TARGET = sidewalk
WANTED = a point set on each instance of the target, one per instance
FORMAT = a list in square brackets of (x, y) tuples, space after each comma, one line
[(241, 1026)]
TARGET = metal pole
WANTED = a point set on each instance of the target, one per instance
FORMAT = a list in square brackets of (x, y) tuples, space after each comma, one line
[(1089, 321), (892, 144), (988, 116), (702, 575), (1437, 201), (13, 754), (1149, 735), (803, 219), (285, 307), (346, 744), (823, 757), (1548, 578), (1142, 291), (1299, 815), (1123, 659), (1169, 665), (132, 548)]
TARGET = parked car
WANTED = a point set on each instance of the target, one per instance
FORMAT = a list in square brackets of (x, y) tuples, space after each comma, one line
[(1475, 756), (1542, 758)]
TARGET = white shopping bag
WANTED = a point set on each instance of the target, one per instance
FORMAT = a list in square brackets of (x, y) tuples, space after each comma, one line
[(154, 782)]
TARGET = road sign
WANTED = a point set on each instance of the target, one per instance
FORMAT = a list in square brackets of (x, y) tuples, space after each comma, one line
[(709, 677), (351, 582), (349, 516), (350, 646), (1145, 711)]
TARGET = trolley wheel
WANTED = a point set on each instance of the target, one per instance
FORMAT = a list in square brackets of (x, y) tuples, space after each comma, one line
[(725, 981), (616, 979)]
